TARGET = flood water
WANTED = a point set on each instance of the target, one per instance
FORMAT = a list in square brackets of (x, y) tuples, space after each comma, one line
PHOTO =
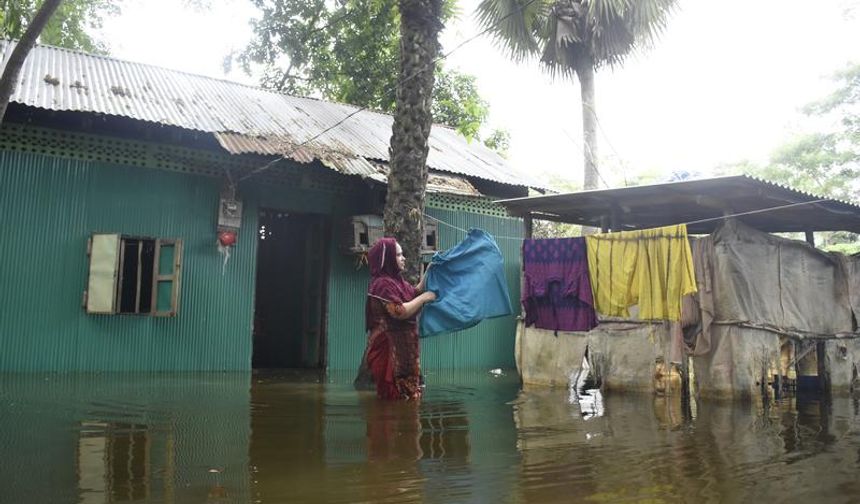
[(476, 437)]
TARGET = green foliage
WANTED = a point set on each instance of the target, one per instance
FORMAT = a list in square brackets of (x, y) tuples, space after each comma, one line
[(456, 102), (340, 51), (824, 162), (566, 35), (499, 140), (347, 51), (550, 229), (71, 26), (843, 248)]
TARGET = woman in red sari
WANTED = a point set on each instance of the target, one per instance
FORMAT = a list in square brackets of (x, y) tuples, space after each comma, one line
[(391, 312)]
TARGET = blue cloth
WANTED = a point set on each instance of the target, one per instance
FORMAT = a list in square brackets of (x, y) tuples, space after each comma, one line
[(469, 282)]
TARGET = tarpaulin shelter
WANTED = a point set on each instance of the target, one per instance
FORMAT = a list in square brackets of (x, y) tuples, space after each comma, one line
[(771, 312)]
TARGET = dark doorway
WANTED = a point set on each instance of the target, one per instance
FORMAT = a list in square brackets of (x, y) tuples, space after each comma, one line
[(292, 274)]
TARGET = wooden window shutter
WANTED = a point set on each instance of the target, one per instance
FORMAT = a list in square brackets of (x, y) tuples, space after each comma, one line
[(104, 263), (165, 280)]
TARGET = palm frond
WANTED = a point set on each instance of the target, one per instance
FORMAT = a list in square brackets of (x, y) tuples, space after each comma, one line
[(563, 45), (568, 33), (513, 24), (603, 11), (649, 20), (622, 27)]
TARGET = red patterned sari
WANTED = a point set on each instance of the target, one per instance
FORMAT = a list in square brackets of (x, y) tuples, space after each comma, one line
[(392, 353)]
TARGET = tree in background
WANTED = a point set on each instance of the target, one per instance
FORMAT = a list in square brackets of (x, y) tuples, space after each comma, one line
[(377, 54), (456, 103), (575, 38), (551, 229), (344, 51), (500, 141), (347, 52), (72, 26), (825, 162), (35, 25)]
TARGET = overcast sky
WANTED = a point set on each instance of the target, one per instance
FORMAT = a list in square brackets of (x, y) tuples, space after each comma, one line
[(723, 84)]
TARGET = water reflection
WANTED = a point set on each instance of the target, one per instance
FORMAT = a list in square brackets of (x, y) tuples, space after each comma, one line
[(114, 462), (124, 438), (476, 437)]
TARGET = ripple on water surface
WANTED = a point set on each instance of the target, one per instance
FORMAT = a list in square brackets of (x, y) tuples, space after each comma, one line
[(476, 437)]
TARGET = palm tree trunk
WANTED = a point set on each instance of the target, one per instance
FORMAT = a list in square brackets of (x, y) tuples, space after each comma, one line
[(585, 71), (19, 54), (420, 23)]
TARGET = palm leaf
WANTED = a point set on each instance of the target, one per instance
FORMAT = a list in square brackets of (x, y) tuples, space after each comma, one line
[(566, 33), (513, 24)]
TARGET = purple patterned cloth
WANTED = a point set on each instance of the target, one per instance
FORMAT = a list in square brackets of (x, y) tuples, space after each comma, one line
[(557, 292)]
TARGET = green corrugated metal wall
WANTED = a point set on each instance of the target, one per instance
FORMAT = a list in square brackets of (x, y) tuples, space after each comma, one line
[(489, 344), (51, 205)]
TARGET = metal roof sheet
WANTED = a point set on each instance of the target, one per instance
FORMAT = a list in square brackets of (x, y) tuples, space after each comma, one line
[(764, 205), (349, 165), (244, 119)]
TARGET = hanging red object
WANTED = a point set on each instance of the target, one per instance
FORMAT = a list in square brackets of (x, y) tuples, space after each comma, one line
[(227, 238)]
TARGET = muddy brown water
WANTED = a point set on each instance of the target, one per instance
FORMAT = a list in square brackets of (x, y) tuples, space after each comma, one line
[(476, 437)]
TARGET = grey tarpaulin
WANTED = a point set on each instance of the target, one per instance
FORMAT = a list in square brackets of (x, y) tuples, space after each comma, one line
[(785, 284), (767, 288)]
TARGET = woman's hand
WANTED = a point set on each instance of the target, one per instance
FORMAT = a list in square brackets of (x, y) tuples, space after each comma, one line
[(422, 284), (410, 308)]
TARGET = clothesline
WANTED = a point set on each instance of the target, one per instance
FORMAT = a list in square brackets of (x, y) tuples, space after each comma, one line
[(517, 238), (761, 210), (689, 223)]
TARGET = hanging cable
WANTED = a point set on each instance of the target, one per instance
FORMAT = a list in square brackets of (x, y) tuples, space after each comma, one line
[(390, 92), (751, 212), (608, 141), (741, 214), (588, 148), (466, 231)]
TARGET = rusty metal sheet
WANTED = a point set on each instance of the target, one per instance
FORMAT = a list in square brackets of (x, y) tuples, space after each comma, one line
[(244, 119)]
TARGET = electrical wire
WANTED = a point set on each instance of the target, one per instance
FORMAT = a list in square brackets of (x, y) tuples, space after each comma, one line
[(391, 91), (440, 221)]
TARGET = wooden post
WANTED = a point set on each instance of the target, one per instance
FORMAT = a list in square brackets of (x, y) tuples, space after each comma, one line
[(528, 226), (810, 238), (823, 368)]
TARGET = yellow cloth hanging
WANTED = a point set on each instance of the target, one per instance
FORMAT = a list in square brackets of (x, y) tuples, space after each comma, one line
[(652, 268)]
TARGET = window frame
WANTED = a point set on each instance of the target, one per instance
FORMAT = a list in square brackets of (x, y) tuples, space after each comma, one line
[(158, 276), (174, 277)]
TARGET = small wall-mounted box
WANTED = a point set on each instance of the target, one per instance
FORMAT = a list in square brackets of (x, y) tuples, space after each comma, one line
[(359, 233)]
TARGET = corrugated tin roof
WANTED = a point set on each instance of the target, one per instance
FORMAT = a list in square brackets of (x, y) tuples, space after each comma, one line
[(374, 170), (244, 119), (762, 204)]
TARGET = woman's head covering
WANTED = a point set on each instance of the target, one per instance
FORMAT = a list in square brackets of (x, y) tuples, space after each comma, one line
[(386, 282), (382, 258)]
